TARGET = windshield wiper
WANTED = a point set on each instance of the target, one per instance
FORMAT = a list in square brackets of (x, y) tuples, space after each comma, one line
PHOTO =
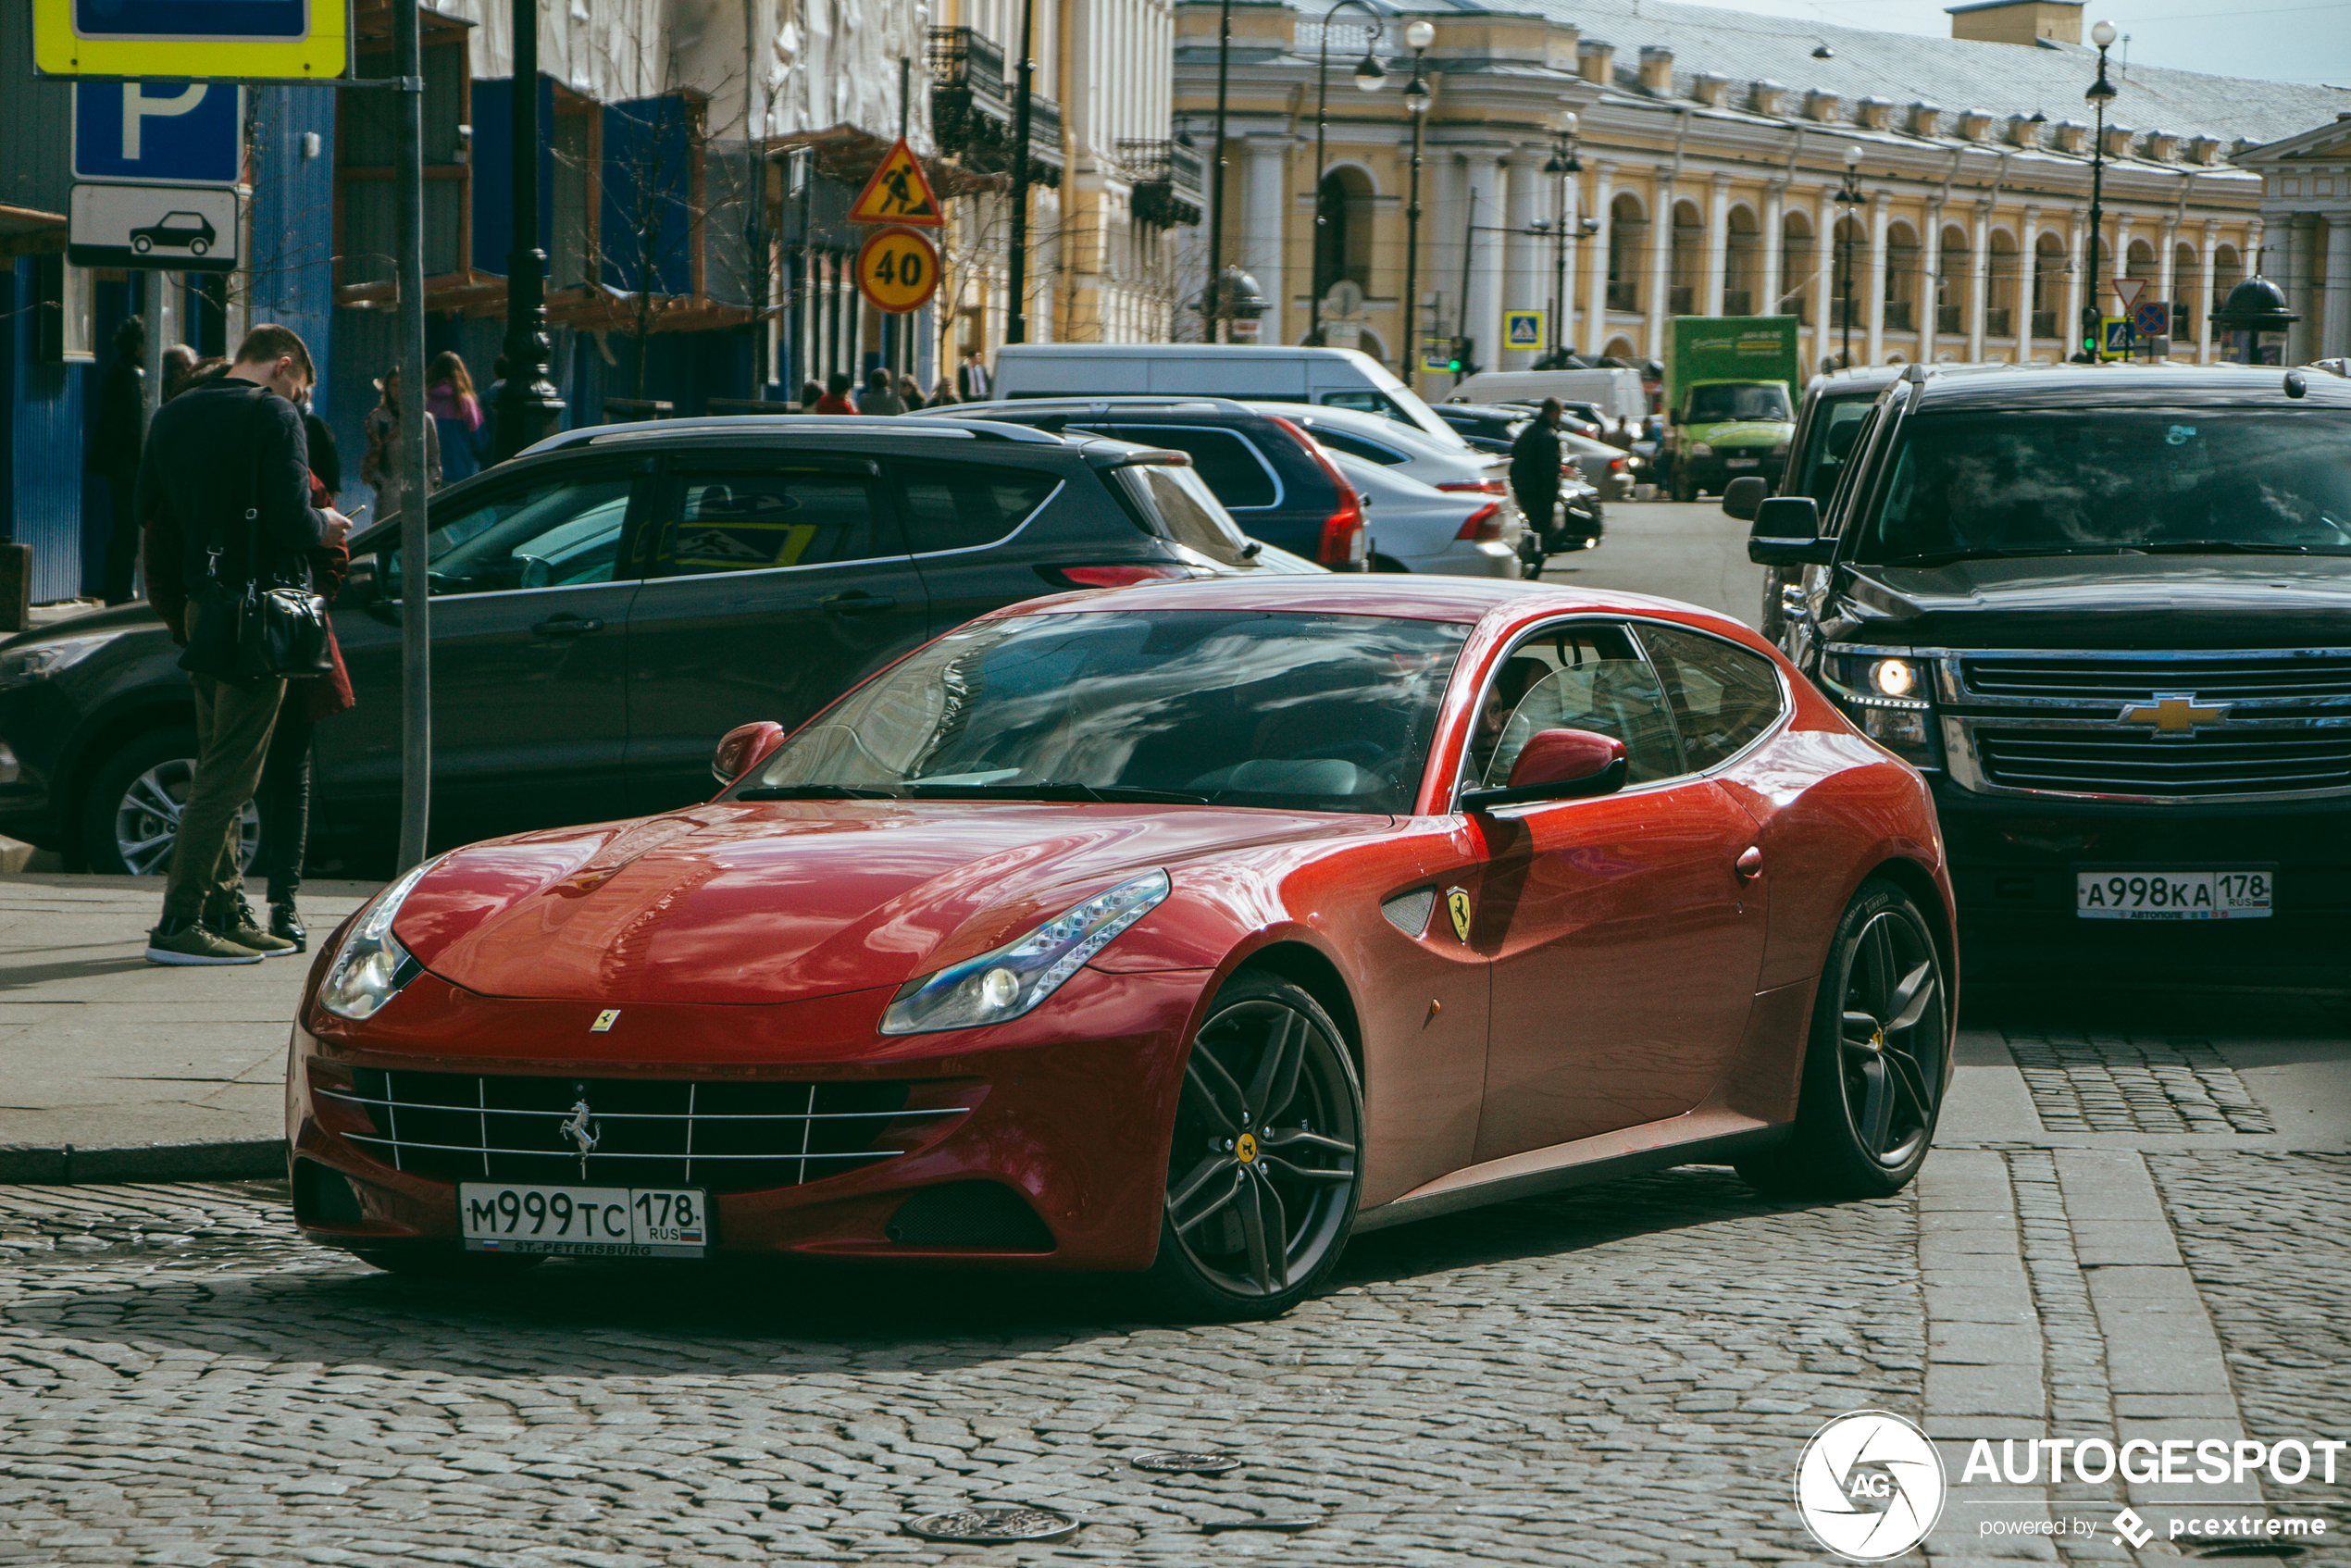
[(2225, 547), (1988, 553), (813, 793), (1054, 790)]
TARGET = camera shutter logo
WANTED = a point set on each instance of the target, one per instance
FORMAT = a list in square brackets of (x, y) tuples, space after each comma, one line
[(1870, 1486)]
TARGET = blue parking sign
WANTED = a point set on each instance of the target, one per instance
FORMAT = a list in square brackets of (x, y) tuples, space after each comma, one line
[(159, 133)]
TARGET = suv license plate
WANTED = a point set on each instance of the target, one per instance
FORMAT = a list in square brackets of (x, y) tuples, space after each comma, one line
[(595, 1222), (2238, 893)]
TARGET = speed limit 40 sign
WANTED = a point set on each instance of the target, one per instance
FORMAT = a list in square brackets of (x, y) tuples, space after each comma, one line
[(898, 270)]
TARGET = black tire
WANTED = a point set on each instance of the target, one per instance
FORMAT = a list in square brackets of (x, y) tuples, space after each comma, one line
[(132, 811), (1267, 1053), (1875, 1061)]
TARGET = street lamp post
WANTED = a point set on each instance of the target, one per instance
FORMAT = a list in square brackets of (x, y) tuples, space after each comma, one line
[(2099, 94), (1564, 164), (528, 407), (1850, 197), (1418, 36), (1213, 291), (1368, 76)]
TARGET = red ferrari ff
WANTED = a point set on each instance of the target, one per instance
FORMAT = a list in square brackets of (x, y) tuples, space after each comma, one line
[(1187, 928)]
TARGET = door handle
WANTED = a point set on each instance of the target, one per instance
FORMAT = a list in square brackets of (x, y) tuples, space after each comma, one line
[(1750, 864), (566, 626), (857, 602)]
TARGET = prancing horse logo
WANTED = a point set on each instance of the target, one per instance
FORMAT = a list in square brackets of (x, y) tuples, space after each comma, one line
[(584, 1133), (1457, 904)]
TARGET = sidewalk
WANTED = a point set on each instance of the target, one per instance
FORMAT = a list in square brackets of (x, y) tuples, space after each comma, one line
[(115, 1069)]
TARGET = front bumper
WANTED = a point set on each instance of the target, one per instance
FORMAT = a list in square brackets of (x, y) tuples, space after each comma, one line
[(1069, 1109), (1719, 468), (1466, 559)]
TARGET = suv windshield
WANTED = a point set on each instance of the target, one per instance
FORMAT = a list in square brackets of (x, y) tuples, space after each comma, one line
[(1303, 712), (1710, 405), (1183, 510), (2109, 480)]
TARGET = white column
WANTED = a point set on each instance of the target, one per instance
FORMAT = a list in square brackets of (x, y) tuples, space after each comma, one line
[(1661, 266), (1774, 242), (1878, 221), (1979, 278), (2030, 270), (1928, 303), (1483, 203), (2166, 237), (1595, 282), (2334, 323), (2077, 247), (1718, 244), (2204, 307), (1527, 279), (1823, 274), (1264, 209)]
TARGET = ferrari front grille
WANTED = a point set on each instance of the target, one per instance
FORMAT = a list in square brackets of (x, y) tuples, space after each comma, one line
[(730, 1137)]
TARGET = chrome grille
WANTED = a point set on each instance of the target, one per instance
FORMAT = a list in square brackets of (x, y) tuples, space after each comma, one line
[(2234, 760), (731, 1137), (2215, 679)]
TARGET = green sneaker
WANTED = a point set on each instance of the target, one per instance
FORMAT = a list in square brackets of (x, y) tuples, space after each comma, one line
[(191, 942), (237, 924)]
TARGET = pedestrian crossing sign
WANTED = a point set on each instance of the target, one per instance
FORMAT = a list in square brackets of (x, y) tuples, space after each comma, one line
[(1523, 329), (899, 193)]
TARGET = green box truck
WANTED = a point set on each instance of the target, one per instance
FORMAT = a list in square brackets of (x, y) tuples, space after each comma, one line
[(1730, 400)]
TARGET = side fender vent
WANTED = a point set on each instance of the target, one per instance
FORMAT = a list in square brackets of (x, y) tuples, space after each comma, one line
[(982, 1216)]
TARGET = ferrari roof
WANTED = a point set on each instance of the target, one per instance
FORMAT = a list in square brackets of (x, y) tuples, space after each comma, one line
[(1406, 596)]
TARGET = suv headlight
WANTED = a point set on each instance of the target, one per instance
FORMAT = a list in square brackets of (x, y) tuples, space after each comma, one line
[(371, 966), (24, 664), (1888, 695), (1000, 986)]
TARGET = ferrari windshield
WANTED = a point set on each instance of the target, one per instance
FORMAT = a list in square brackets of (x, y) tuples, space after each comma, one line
[(2113, 482), (1226, 707)]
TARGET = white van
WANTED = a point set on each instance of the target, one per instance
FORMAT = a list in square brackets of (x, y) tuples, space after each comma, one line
[(1337, 377), (1617, 393)]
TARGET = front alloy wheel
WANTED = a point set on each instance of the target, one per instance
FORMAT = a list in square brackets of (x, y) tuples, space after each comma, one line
[(1267, 1161)]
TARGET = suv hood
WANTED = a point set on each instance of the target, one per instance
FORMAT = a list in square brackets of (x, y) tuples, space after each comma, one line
[(767, 902), (2100, 601)]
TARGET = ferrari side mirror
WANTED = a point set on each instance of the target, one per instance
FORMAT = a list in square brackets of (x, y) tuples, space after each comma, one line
[(1558, 764), (744, 748), (1742, 496)]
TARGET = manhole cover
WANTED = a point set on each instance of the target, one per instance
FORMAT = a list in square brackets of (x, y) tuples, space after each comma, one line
[(986, 1524), (1175, 1461)]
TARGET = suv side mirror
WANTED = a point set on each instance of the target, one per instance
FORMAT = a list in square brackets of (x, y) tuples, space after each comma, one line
[(1742, 496), (1558, 764), (1787, 533), (744, 748)]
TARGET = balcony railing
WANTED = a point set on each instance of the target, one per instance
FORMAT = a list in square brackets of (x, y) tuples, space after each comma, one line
[(1950, 319), (1800, 307), (1681, 299), (1738, 302), (1898, 316), (1167, 181), (1998, 321), (2045, 324), (1625, 297), (971, 109), (963, 56), (1841, 313)]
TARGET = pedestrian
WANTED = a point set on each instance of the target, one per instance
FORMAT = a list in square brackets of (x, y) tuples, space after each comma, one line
[(493, 403), (910, 392), (1534, 467), (973, 383), (179, 364), (811, 394), (877, 398), (114, 436), (379, 466), (456, 415), (943, 394), (836, 398), (224, 494)]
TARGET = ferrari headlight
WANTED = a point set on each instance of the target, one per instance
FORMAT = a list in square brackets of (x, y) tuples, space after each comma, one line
[(371, 966), (37, 661), (1012, 980)]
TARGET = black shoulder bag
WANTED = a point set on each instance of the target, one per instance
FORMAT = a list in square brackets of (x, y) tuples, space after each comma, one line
[(267, 628)]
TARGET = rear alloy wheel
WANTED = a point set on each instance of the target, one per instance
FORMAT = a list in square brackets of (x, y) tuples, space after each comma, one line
[(135, 802), (1266, 1163), (1876, 1061)]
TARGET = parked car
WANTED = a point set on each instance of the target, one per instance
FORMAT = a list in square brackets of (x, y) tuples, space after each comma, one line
[(2107, 612), (606, 604), (1417, 527), (1323, 378), (1179, 931), (1492, 427), (1611, 394), (1274, 481)]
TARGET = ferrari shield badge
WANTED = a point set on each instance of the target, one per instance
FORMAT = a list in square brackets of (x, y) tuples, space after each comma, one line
[(604, 1021), (1457, 904)]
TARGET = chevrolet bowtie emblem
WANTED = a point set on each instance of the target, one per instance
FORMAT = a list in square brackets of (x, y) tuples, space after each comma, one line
[(2174, 713)]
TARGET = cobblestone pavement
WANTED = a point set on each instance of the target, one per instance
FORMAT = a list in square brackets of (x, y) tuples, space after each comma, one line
[(2090, 1083)]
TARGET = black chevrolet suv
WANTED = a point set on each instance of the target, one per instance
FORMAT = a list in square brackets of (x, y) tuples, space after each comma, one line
[(2109, 610), (605, 607)]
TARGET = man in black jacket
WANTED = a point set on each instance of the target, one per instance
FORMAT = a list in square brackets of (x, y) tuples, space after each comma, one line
[(218, 449), (1534, 467)]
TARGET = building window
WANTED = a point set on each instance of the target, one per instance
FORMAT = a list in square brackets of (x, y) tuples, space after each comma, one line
[(366, 194)]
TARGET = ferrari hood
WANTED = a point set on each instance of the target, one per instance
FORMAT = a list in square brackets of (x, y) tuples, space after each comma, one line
[(736, 903)]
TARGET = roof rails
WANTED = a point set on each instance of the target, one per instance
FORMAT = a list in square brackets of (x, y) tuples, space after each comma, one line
[(1105, 400), (843, 424)]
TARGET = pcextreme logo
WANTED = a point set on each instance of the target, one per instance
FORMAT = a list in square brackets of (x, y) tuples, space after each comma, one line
[(1870, 1486)]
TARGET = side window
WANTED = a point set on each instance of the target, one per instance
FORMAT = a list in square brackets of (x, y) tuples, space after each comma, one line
[(1356, 446), (1577, 677), (560, 533), (1180, 508), (1724, 696), (1840, 499), (754, 518), (962, 507), (1226, 462), (1367, 401)]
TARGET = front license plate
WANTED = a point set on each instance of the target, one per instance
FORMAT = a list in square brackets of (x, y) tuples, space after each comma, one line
[(595, 1222), (2236, 893), (1742, 462)]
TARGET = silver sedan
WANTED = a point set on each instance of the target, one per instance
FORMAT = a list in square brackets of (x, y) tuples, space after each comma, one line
[(1417, 527)]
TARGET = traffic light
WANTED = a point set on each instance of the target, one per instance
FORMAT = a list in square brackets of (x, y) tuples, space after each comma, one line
[(1464, 361)]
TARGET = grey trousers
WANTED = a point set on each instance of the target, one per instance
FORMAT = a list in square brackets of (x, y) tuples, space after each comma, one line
[(233, 742)]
